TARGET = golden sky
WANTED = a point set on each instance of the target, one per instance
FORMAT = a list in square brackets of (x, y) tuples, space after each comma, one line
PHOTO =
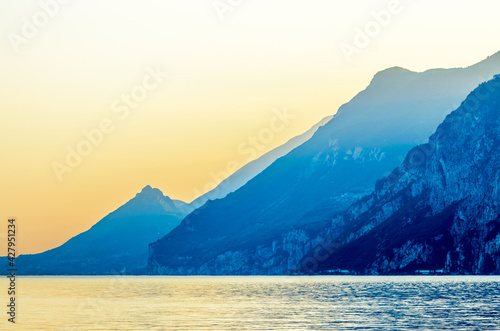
[(175, 87)]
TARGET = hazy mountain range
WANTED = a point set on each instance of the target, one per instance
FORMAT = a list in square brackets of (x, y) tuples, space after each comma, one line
[(259, 228), (320, 202), (116, 244)]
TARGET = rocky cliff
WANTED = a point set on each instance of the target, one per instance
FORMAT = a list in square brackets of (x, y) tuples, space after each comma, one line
[(439, 211)]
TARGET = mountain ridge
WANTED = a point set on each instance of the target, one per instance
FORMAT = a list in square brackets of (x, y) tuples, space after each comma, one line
[(246, 232), (254, 167), (116, 244)]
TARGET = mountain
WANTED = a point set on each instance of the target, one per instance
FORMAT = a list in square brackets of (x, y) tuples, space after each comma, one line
[(116, 244), (253, 168), (439, 210), (262, 228), (158, 215)]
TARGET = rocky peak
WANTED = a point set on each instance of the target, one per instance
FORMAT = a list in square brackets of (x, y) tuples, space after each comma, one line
[(150, 201)]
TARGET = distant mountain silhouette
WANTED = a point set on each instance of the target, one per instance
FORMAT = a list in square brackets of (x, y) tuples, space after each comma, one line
[(121, 238), (116, 244), (255, 229)]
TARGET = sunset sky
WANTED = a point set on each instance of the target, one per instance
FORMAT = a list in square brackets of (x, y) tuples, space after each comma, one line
[(206, 75)]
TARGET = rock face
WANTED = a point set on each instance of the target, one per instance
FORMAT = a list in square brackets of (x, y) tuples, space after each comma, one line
[(117, 244), (439, 210), (268, 225)]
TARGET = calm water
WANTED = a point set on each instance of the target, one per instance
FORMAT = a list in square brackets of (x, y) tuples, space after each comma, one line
[(256, 303)]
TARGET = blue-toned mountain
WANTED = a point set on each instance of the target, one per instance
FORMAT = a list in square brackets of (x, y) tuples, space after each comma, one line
[(265, 226), (116, 244)]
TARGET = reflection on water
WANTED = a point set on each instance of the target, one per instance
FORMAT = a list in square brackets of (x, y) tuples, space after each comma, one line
[(257, 303)]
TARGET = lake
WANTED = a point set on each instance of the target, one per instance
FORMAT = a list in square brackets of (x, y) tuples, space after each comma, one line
[(256, 303)]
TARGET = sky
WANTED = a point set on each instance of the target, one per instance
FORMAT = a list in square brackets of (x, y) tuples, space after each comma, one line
[(101, 98)]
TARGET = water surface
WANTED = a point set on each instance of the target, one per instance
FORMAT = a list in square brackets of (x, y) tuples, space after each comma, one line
[(257, 303)]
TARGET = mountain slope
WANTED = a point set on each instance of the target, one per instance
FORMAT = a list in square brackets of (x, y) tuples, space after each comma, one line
[(253, 230), (253, 168), (439, 210), (116, 244)]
